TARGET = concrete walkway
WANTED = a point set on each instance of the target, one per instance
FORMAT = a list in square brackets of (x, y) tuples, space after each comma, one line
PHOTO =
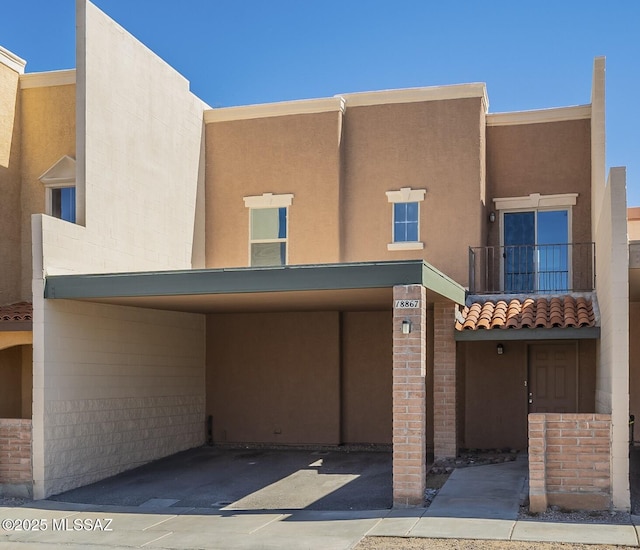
[(487, 496), (59, 525), (493, 491)]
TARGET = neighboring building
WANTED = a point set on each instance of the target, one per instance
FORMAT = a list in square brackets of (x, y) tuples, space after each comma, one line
[(398, 267)]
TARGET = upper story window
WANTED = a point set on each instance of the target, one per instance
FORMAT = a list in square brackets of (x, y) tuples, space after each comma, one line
[(536, 241), (63, 203), (268, 229), (60, 189), (406, 218)]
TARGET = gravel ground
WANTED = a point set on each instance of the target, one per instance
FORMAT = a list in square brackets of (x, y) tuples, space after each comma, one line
[(394, 543), (555, 514)]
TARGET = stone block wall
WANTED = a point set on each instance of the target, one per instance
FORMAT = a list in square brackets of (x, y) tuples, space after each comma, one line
[(15, 457), (569, 461)]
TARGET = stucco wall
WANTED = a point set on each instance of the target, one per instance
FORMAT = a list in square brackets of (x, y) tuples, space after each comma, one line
[(16, 381), (612, 286), (297, 154), (546, 158), (274, 377), (48, 133), (9, 186), (432, 145), (138, 149), (11, 382), (633, 223), (366, 377), (496, 398), (338, 168), (115, 387)]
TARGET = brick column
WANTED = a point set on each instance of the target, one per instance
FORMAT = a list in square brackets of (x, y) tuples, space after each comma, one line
[(409, 397), (537, 463), (445, 440)]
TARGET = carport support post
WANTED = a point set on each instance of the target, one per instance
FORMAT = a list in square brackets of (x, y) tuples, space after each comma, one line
[(445, 444), (409, 395)]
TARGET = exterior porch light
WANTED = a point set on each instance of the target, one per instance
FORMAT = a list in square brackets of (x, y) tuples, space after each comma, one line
[(492, 217), (406, 326), (500, 349)]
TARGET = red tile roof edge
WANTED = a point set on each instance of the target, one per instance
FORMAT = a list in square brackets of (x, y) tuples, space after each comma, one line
[(19, 312), (524, 311)]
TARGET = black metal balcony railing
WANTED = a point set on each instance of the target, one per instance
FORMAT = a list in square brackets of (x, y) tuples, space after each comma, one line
[(526, 269)]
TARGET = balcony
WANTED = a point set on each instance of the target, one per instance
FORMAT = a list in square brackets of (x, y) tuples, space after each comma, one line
[(532, 269)]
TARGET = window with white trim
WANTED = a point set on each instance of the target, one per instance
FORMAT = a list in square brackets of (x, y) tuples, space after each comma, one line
[(268, 229), (405, 231), (536, 239)]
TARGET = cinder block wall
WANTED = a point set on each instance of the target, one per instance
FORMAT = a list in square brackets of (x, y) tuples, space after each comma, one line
[(569, 461), (15, 457), (119, 387)]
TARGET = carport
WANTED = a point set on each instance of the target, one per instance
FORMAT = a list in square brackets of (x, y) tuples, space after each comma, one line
[(314, 355)]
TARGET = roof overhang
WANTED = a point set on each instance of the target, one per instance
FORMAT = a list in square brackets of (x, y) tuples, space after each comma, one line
[(307, 287), (534, 334)]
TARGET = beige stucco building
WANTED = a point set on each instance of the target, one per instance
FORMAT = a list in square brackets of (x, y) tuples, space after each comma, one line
[(406, 267)]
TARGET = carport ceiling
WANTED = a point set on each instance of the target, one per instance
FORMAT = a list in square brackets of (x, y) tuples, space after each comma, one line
[(373, 299), (356, 286)]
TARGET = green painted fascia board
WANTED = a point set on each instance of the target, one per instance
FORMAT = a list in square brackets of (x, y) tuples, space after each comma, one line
[(438, 282), (241, 280), (503, 335)]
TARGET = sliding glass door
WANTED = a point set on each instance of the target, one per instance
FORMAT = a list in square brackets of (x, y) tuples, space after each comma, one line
[(536, 251)]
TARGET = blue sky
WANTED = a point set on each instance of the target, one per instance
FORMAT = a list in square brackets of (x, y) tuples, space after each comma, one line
[(530, 54)]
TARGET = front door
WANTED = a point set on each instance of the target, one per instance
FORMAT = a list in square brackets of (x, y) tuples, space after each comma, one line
[(552, 378)]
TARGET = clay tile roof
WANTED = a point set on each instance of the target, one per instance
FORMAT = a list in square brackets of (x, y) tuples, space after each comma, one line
[(22, 311), (534, 312)]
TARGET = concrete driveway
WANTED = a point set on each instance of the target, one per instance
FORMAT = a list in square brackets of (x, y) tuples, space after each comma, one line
[(250, 479)]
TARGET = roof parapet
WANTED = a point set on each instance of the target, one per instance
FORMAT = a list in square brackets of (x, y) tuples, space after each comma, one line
[(555, 114), (47, 79), (414, 95), (283, 108), (12, 61)]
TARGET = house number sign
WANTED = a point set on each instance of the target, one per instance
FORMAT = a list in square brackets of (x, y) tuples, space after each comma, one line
[(407, 304)]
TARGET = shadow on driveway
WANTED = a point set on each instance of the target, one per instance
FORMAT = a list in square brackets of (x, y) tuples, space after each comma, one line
[(249, 479)]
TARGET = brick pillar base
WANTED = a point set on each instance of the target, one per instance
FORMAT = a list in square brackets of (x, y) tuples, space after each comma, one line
[(409, 396), (445, 440), (538, 501)]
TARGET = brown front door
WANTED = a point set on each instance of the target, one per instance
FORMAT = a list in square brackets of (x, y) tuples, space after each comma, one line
[(552, 378)]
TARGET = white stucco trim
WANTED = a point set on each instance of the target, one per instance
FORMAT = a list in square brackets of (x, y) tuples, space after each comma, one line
[(414, 95), (266, 110), (61, 173), (12, 61), (406, 246), (536, 200), (558, 114), (50, 78), (268, 200), (406, 194)]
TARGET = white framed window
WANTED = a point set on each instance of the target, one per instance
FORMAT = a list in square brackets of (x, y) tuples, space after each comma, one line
[(268, 229), (60, 189), (535, 236), (405, 221), (62, 203)]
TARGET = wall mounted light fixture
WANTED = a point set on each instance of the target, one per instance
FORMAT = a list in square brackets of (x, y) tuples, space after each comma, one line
[(500, 349), (406, 326), (492, 217)]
